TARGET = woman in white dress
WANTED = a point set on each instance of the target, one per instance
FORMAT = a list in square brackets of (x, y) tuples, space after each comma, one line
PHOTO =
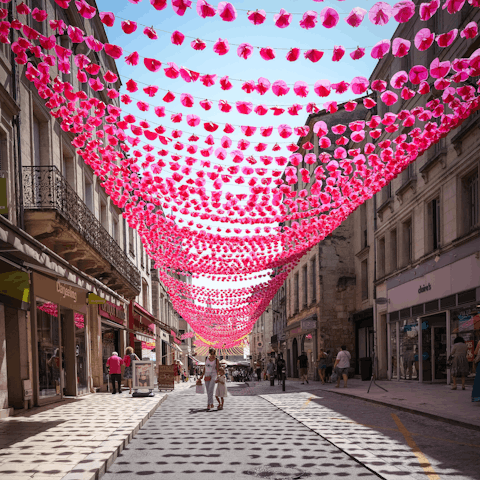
[(210, 370)]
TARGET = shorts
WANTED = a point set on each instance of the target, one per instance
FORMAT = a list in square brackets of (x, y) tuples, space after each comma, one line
[(303, 371), (342, 371), (322, 367)]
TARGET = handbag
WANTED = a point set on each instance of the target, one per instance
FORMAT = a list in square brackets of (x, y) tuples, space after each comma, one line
[(450, 361)]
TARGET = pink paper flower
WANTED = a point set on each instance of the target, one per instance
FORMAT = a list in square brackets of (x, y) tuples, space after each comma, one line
[(159, 4), (221, 47), (267, 53), (417, 74), (356, 16), (282, 19), (107, 18), (470, 31), (244, 108), (338, 53), (224, 106), (427, 10), (172, 71), (439, 69), (257, 17), (400, 47), (193, 121), (380, 13), (309, 20), (453, 6), (403, 11), (227, 12), (389, 98), (129, 26), (423, 39), (322, 88), (358, 53), (380, 49), (180, 6), (198, 44), (262, 86), (301, 88), (208, 80), (249, 86), (313, 55), (225, 83), (329, 17), (206, 104), (177, 37), (359, 85), (399, 79), (446, 39), (293, 54), (280, 88), (205, 10), (244, 50), (340, 87)]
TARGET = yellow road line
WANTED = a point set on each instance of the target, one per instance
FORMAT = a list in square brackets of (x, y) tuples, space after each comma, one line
[(306, 403), (425, 464)]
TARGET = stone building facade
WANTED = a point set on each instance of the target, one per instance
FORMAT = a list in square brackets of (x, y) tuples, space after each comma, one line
[(261, 338)]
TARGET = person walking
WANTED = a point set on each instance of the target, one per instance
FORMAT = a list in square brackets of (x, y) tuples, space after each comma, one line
[(476, 383), (128, 362), (212, 366), (270, 370), (322, 365), (460, 367), (221, 391), (329, 362), (342, 364), (115, 364), (303, 364), (259, 370)]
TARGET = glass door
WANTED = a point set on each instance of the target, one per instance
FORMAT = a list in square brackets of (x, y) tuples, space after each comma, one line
[(439, 356), (81, 354), (50, 357)]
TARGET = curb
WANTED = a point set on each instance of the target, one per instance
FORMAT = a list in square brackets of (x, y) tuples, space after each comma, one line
[(102, 457), (451, 421)]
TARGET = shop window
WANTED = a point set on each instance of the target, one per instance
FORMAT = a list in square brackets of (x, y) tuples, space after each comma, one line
[(365, 280), (405, 313), (470, 201), (115, 229), (394, 316), (393, 250), (386, 191), (381, 258), (131, 243), (433, 224), (88, 193), (393, 350), (145, 295), (408, 347), (103, 215), (68, 170)]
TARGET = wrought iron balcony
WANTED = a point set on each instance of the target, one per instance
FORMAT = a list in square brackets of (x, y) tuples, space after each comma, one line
[(45, 189)]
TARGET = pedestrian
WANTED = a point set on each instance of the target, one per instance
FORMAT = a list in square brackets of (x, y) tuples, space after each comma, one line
[(221, 391), (342, 364), (476, 383), (128, 362), (212, 366), (322, 365), (259, 370), (281, 366), (115, 364), (270, 369), (329, 369), (303, 364), (458, 356), (176, 371)]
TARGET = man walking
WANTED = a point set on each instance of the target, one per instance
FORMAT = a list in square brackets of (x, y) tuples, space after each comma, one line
[(115, 364), (270, 370), (303, 364), (259, 370), (342, 364)]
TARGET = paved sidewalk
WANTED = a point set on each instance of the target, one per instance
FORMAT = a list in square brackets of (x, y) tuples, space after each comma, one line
[(437, 401), (77, 439)]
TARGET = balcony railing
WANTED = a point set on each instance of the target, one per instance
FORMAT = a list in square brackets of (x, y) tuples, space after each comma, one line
[(46, 189)]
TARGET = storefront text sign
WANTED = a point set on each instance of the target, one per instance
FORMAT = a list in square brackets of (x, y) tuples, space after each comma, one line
[(308, 324), (425, 288), (66, 291), (113, 312)]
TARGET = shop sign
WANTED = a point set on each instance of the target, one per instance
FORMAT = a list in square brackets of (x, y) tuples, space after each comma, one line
[(308, 324), (143, 377), (166, 377), (470, 350), (295, 331), (15, 284), (95, 299), (113, 312), (425, 288), (66, 291), (143, 338), (164, 335)]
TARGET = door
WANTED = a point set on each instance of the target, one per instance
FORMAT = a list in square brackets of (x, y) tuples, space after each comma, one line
[(439, 356), (294, 358), (289, 370)]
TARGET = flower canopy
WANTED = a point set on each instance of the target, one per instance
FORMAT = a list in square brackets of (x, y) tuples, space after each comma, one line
[(243, 210)]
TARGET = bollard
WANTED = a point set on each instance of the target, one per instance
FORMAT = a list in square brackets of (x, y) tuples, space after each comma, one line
[(283, 380)]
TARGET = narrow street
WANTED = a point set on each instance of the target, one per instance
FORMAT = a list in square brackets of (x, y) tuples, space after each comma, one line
[(302, 433)]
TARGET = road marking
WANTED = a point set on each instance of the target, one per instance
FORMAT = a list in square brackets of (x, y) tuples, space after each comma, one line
[(307, 402), (425, 464)]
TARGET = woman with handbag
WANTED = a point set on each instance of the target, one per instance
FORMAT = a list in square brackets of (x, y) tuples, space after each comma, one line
[(459, 360), (128, 361), (212, 366), (476, 384)]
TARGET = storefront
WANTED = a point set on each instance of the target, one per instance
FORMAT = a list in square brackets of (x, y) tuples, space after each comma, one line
[(113, 324), (301, 337), (426, 314), (164, 338), (364, 336), (59, 315), (141, 328)]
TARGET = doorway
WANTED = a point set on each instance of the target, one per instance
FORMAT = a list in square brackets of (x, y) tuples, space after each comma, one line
[(434, 348), (294, 358)]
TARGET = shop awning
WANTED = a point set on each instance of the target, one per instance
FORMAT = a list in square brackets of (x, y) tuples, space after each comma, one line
[(143, 316), (144, 338)]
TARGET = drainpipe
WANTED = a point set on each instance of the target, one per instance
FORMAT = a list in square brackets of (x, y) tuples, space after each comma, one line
[(16, 125)]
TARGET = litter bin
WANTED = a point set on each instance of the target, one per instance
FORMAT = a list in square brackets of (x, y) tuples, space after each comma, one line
[(366, 368)]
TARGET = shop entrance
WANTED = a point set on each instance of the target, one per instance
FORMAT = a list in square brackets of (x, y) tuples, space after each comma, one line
[(294, 358), (434, 348)]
